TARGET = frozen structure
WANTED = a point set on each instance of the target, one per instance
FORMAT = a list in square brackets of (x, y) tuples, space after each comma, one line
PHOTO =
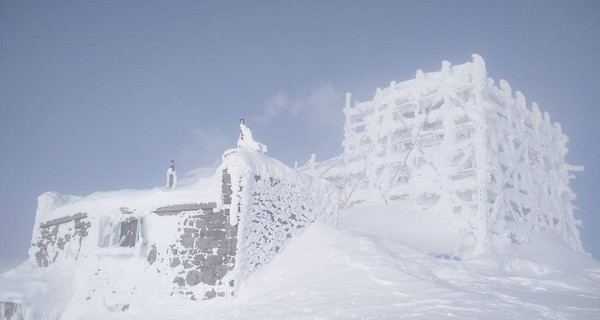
[(454, 144), (171, 175), (197, 242)]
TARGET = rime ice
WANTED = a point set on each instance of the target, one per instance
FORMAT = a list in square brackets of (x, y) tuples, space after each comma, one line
[(455, 203), (453, 144)]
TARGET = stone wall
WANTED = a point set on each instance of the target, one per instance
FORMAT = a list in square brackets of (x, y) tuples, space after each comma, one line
[(204, 254), (55, 236), (12, 311), (274, 210), (205, 250)]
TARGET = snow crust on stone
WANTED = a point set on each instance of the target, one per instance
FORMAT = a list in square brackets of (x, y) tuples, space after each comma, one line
[(272, 203)]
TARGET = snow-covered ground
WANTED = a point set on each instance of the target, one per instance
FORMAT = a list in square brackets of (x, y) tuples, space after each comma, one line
[(389, 262)]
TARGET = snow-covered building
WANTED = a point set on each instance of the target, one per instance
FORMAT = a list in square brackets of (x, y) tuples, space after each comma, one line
[(453, 143), (199, 241), (490, 171)]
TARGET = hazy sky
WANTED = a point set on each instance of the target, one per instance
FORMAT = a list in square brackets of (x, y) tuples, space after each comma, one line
[(100, 95)]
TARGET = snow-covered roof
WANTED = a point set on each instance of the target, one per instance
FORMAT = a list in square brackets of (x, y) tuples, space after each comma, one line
[(53, 205)]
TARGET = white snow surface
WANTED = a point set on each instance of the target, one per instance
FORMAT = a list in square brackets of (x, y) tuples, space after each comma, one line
[(382, 262)]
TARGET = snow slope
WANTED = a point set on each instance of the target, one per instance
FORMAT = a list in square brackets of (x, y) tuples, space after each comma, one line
[(389, 262)]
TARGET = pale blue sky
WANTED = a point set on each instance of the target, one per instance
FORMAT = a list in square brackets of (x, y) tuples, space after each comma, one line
[(100, 95)]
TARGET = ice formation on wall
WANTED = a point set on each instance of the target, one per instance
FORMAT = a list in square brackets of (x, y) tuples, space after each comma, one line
[(454, 144)]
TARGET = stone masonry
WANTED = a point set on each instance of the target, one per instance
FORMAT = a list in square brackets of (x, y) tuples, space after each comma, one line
[(206, 250)]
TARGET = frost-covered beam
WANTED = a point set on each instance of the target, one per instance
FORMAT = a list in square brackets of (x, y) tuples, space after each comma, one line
[(177, 208), (54, 222)]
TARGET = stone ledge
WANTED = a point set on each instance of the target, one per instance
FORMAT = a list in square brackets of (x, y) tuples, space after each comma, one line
[(177, 208), (54, 222)]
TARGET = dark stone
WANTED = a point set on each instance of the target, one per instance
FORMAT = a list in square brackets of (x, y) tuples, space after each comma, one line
[(210, 295), (180, 281), (214, 260), (199, 257), (189, 230), (215, 244), (218, 234), (217, 223), (209, 276), (202, 243), (175, 262), (221, 272), (152, 255), (200, 224), (187, 243), (193, 277)]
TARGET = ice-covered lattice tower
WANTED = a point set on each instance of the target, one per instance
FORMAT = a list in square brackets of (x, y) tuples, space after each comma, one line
[(455, 144)]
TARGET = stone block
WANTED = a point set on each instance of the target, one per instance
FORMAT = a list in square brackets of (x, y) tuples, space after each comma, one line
[(217, 223), (215, 244), (180, 281), (209, 276), (152, 255), (202, 243), (218, 234), (192, 231), (175, 262), (214, 260), (193, 277), (210, 295), (187, 243)]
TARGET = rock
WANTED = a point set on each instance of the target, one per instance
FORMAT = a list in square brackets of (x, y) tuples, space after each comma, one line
[(180, 281), (193, 277), (175, 262)]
